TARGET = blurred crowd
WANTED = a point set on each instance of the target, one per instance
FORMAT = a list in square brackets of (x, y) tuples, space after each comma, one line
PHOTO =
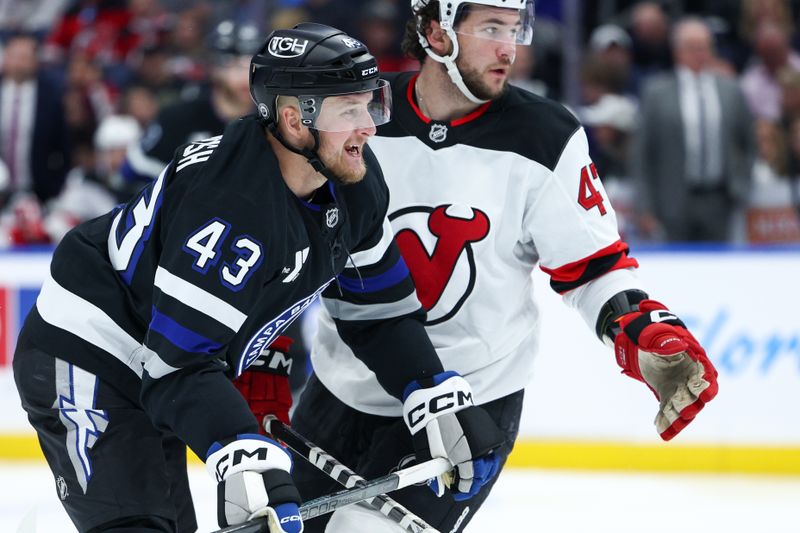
[(692, 107)]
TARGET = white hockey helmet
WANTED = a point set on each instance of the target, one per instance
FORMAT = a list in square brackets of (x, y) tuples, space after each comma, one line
[(452, 11)]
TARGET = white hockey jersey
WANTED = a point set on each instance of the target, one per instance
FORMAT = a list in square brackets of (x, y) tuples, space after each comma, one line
[(475, 204)]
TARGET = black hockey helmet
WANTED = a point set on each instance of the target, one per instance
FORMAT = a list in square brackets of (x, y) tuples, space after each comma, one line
[(314, 62)]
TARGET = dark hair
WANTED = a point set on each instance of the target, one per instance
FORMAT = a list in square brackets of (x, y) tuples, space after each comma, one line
[(420, 20)]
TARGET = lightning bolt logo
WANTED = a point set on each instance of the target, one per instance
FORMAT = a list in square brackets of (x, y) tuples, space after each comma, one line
[(76, 390)]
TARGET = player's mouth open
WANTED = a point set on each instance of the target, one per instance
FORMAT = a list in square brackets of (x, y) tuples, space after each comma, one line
[(354, 150)]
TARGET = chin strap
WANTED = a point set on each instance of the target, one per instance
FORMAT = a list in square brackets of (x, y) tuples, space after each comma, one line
[(310, 154), (449, 63)]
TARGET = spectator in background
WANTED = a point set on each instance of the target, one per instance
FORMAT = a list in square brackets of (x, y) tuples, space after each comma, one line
[(380, 28), (93, 190), (760, 80), (772, 161), (152, 69), (204, 116), (610, 51), (33, 135), (695, 146), (650, 35), (187, 46), (609, 123), (756, 13), (88, 99), (150, 22), (139, 102), (31, 16), (97, 28)]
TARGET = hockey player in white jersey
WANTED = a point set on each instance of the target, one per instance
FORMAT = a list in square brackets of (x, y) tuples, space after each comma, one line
[(486, 182)]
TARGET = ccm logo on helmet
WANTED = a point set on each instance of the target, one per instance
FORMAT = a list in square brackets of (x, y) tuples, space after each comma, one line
[(368, 71), (437, 404), (287, 46)]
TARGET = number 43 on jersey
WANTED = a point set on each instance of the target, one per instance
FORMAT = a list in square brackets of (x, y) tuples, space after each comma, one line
[(205, 245)]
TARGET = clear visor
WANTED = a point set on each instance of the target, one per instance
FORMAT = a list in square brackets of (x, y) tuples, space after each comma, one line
[(514, 26), (348, 112)]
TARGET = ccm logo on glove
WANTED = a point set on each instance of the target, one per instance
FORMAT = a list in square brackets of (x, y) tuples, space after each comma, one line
[(246, 454), (438, 404)]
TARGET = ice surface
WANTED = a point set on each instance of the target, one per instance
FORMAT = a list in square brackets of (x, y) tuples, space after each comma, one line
[(540, 501)]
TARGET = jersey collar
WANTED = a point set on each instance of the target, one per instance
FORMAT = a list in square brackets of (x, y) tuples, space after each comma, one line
[(427, 120)]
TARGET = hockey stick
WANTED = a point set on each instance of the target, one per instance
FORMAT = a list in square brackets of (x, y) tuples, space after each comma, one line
[(319, 458), (375, 487)]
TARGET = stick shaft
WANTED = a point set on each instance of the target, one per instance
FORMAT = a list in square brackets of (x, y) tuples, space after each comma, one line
[(347, 477)]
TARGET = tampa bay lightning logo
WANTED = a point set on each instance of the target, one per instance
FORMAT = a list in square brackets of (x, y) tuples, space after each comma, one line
[(267, 333)]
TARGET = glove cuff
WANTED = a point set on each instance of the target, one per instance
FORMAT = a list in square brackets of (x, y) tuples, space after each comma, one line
[(429, 399)]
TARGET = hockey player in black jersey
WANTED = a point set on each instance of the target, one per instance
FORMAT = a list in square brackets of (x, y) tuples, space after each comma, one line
[(487, 181), (151, 309)]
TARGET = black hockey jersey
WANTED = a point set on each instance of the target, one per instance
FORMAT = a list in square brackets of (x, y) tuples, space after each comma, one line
[(210, 262)]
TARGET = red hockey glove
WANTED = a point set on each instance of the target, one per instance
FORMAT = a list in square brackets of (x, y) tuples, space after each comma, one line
[(265, 383), (655, 347)]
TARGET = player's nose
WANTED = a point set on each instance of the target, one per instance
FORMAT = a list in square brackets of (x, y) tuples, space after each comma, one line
[(506, 51), (368, 130)]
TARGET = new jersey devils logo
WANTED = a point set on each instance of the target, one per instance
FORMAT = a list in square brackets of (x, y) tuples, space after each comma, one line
[(436, 244)]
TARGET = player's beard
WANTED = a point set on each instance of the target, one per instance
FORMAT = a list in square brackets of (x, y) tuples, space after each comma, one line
[(335, 160), (473, 79)]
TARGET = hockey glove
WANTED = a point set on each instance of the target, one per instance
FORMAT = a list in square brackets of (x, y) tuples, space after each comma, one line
[(654, 346), (253, 480), (444, 423), (265, 383)]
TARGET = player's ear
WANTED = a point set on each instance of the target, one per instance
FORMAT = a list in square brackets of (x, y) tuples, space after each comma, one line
[(289, 122), (438, 39)]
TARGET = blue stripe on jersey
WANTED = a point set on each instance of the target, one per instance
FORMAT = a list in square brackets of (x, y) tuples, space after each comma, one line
[(180, 336), (391, 277)]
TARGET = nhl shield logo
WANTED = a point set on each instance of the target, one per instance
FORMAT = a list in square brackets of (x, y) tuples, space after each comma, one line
[(438, 132), (332, 217), (61, 485)]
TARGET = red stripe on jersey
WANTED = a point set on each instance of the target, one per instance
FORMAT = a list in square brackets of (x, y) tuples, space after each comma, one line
[(472, 116), (410, 96), (573, 275), (458, 122)]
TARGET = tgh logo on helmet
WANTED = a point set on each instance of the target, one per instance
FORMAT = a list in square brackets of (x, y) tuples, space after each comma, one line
[(287, 46)]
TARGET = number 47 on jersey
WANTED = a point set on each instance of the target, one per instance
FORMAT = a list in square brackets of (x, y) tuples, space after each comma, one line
[(588, 196)]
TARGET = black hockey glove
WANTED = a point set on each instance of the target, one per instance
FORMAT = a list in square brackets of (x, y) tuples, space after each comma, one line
[(444, 422), (253, 476)]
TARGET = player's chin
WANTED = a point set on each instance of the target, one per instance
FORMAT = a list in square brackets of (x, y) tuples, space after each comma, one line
[(349, 169), (496, 82)]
